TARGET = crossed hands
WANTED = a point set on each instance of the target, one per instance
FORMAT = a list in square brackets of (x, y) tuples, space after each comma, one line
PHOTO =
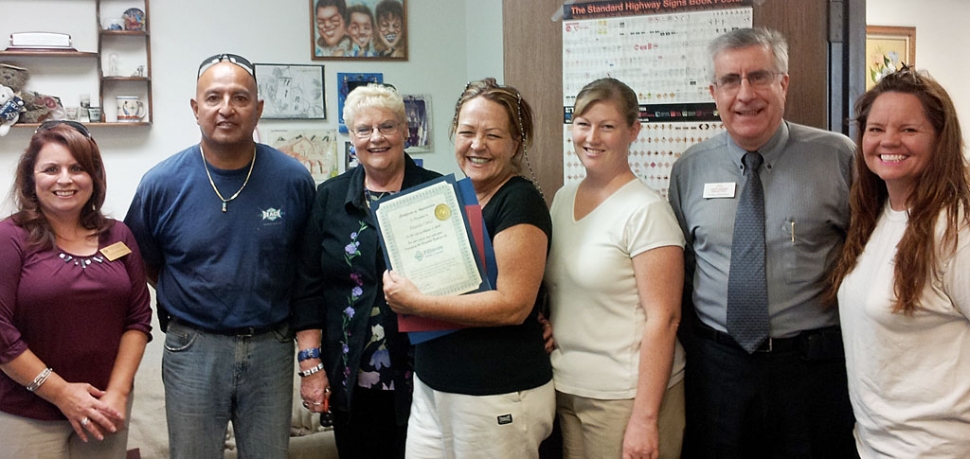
[(91, 410)]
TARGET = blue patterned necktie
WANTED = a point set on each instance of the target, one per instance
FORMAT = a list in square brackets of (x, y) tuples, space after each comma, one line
[(747, 301)]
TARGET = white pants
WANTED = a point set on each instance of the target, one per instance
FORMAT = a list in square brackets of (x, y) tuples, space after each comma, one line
[(449, 426)]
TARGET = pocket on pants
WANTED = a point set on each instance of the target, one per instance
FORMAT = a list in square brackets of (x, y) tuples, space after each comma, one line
[(282, 333), (179, 339)]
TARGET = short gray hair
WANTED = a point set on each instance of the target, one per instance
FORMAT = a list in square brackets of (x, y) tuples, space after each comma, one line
[(743, 38), (373, 96)]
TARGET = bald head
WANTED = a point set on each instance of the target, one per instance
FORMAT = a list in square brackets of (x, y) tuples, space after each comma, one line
[(227, 107)]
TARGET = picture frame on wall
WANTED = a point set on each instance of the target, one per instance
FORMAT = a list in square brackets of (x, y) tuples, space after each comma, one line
[(350, 156), (347, 82), (358, 29), (291, 91), (417, 109), (887, 49), (316, 149)]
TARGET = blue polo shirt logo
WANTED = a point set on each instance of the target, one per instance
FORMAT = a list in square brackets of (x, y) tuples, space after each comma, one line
[(272, 214)]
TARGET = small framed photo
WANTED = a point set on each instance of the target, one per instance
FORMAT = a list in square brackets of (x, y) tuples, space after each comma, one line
[(291, 91), (350, 156), (887, 49), (366, 29), (417, 108), (347, 82)]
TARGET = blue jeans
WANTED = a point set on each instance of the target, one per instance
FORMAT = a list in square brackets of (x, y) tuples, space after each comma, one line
[(213, 379)]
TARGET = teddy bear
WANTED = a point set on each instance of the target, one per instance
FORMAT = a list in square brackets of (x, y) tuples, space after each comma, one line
[(14, 77), (36, 107), (10, 107)]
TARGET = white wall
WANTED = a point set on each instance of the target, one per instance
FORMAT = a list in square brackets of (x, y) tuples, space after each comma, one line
[(938, 28), (450, 42)]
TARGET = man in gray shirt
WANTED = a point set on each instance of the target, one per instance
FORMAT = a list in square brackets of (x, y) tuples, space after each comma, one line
[(775, 385)]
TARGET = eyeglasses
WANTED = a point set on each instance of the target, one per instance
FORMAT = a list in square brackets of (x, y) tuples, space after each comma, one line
[(234, 58), (757, 79), (385, 129), (49, 124)]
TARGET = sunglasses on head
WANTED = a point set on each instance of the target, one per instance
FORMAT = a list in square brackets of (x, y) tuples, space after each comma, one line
[(46, 125), (224, 57)]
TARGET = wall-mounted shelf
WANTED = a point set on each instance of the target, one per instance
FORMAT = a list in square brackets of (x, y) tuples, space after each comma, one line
[(46, 53), (116, 85), (131, 46)]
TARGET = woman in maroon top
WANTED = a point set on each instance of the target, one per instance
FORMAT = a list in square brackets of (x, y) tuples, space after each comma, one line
[(75, 311)]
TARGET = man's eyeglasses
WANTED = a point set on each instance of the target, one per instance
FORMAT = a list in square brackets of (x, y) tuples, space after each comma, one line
[(757, 79), (46, 125), (386, 129), (234, 58)]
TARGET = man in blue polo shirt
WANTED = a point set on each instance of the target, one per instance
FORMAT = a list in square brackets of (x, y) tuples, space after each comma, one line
[(218, 225)]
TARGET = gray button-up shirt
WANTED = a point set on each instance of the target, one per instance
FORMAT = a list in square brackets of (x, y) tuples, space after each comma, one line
[(806, 176)]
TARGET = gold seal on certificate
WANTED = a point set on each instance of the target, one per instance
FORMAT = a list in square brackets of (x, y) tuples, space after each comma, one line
[(442, 212)]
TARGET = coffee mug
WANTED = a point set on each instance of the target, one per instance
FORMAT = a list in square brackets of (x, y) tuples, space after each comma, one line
[(94, 114), (130, 109)]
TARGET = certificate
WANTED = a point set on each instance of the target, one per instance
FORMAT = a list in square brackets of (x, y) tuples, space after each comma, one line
[(427, 240)]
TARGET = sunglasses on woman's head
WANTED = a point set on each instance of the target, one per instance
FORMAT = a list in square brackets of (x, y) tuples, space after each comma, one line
[(74, 124)]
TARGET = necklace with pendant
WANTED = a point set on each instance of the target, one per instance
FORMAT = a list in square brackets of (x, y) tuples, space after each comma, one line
[(225, 202)]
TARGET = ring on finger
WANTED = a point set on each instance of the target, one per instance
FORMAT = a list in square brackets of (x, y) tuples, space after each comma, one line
[(85, 422)]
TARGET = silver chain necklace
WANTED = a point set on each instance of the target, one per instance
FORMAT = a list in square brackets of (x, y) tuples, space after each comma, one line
[(225, 202)]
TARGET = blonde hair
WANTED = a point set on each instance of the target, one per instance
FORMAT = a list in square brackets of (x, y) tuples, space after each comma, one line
[(374, 95)]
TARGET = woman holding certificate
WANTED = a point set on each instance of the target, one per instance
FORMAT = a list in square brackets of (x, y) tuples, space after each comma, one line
[(352, 357), (486, 390), (615, 277)]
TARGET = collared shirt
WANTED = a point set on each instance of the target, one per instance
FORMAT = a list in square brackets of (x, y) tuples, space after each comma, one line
[(806, 177)]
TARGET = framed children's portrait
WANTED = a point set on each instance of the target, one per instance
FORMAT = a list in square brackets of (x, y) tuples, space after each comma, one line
[(358, 29)]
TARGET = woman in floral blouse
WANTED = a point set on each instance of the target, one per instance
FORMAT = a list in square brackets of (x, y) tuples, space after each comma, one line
[(355, 361)]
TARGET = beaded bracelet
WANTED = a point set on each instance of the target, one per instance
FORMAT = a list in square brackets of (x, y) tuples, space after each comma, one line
[(39, 380), (307, 354), (304, 374)]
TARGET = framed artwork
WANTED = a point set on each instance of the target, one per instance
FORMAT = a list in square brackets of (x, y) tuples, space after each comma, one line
[(314, 148), (347, 82), (350, 156), (366, 29), (887, 49), (418, 111), (291, 91)]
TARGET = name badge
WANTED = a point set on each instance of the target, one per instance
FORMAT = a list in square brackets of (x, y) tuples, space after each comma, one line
[(115, 251), (719, 190)]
